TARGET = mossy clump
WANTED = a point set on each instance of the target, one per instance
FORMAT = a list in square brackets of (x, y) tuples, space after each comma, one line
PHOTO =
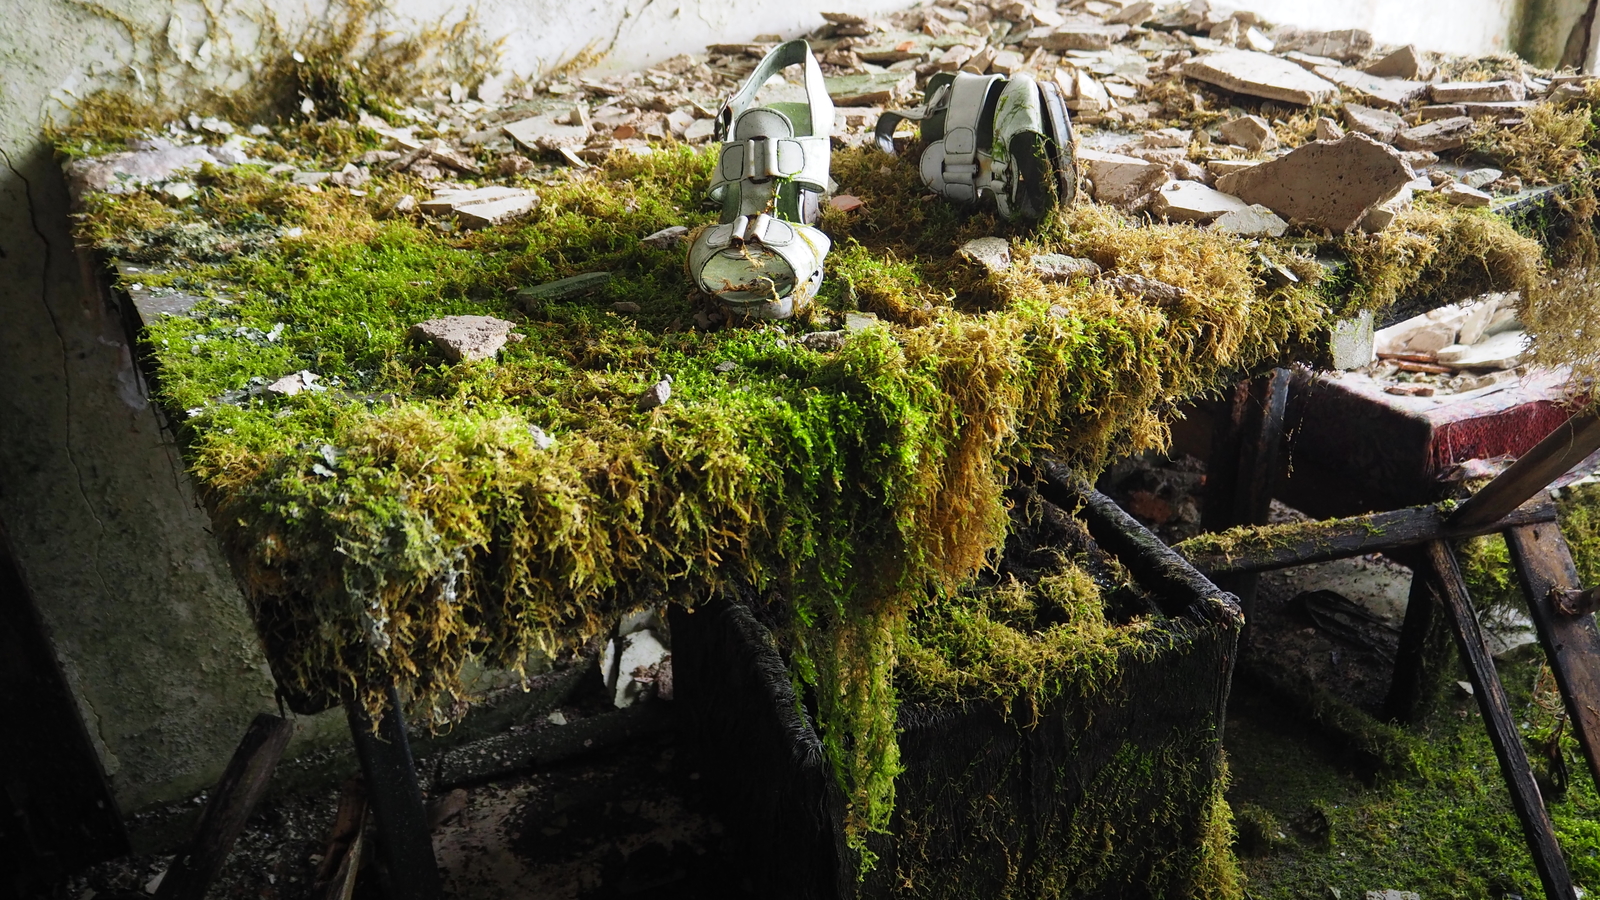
[(1435, 254)]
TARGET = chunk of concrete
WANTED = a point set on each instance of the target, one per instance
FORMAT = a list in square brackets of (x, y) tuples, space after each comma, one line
[(1261, 75), (1477, 91), (1350, 341), (1249, 132), (1119, 179), (464, 338), (1327, 129), (1347, 45), (1405, 62), (1325, 184), (1252, 221), (1079, 36), (873, 89), (1391, 93), (992, 253), (1444, 134), (1191, 201), (1462, 195), (1055, 267), (655, 395), (482, 207), (547, 131), (1500, 351), (1151, 289)]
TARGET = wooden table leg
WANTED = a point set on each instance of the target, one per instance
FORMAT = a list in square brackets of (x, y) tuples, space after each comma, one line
[(1243, 469), (395, 798), (1425, 648), (1525, 798), (1571, 643)]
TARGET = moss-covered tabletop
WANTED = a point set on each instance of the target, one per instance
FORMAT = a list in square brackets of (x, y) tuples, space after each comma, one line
[(392, 513)]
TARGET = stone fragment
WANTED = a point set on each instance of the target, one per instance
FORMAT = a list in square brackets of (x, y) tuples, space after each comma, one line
[(1476, 325), (1166, 157), (1147, 288), (954, 57), (655, 395), (1307, 61), (541, 438), (1348, 44), (1084, 93), (875, 89), (1481, 178), (1221, 167), (666, 238), (435, 151), (1007, 62), (564, 288), (993, 253), (1076, 36), (482, 207), (1437, 111), (1325, 184), (1498, 109), (1462, 195), (1260, 75), (289, 385), (1498, 351), (700, 131), (351, 176), (724, 367), (1134, 14), (1421, 335), (1375, 122), (1257, 40), (307, 179), (1350, 341), (1167, 138), (1391, 93), (625, 307), (893, 47), (1119, 179), (547, 131), (1477, 91), (1328, 129), (119, 172), (845, 202), (1405, 63), (1190, 201), (1444, 134), (1380, 217), (1250, 132), (979, 63), (823, 341), (1052, 267), (464, 338), (1252, 221)]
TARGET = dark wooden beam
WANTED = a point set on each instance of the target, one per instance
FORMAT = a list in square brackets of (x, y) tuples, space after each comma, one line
[(1570, 444), (341, 860), (232, 801), (1571, 643), (1280, 547), (395, 796), (1442, 569)]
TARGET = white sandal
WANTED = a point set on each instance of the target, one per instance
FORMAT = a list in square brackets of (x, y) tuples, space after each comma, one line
[(987, 135), (764, 260)]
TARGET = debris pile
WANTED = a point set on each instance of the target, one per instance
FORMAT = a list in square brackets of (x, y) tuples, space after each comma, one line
[(1453, 349)]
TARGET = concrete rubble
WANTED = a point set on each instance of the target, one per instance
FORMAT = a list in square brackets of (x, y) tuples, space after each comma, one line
[(992, 253), (1189, 201), (465, 338), (1324, 184), (1261, 75), (482, 207)]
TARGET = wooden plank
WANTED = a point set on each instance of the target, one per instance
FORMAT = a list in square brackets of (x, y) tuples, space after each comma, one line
[(1571, 643), (1419, 664), (1569, 444), (1281, 547), (336, 874), (1525, 799), (1247, 498), (242, 786)]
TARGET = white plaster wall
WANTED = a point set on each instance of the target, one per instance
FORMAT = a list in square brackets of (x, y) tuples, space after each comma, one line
[(150, 627)]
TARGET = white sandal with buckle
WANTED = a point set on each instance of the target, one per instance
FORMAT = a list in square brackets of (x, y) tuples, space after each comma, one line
[(764, 260), (990, 136)]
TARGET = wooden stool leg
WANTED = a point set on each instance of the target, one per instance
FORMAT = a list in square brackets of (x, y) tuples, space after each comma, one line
[(1244, 468), (1536, 827), (404, 839), (1425, 648), (1571, 643)]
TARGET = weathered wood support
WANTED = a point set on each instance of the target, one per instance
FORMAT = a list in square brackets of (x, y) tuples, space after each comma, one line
[(1244, 468), (1569, 444), (234, 798), (341, 860), (404, 841), (1445, 574)]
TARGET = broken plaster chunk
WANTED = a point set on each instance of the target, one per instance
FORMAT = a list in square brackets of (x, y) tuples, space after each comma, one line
[(1421, 335), (1463, 195), (1444, 134), (1405, 62), (700, 131), (1383, 215), (666, 238), (1147, 288), (642, 650), (874, 89), (1261, 75), (1378, 123), (547, 131), (119, 171), (1078, 36), (823, 341), (1348, 44), (541, 438), (1325, 184), (1119, 179), (289, 385), (483, 207), (1221, 167), (464, 338), (1387, 92), (1328, 129), (1499, 351), (1350, 342), (1479, 315), (1250, 132), (1191, 201), (655, 395), (1167, 138), (1053, 267), (993, 253), (1477, 91), (1436, 112), (1252, 221), (351, 176), (1481, 178)]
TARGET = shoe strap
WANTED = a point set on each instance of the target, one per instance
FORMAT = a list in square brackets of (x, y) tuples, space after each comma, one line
[(760, 150), (959, 166)]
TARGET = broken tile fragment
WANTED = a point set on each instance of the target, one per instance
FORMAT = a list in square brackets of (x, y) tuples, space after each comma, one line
[(1378, 123), (1252, 221), (1260, 75), (1444, 134), (875, 89), (482, 207), (547, 131), (993, 253), (1477, 91), (1463, 195), (655, 395), (1327, 129), (1325, 184), (1249, 132), (464, 338), (1052, 267), (1405, 62), (1117, 178), (1392, 93), (1189, 201)]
